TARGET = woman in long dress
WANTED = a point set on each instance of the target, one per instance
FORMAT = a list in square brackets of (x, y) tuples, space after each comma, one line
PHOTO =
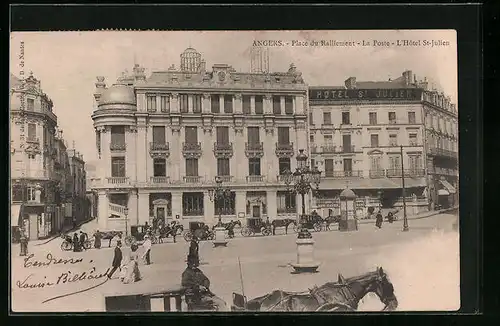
[(132, 273)]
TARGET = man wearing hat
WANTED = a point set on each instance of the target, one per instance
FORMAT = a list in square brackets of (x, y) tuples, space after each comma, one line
[(197, 287), (117, 259)]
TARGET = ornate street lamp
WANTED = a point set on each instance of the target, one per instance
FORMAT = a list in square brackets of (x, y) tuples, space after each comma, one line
[(217, 194), (303, 180)]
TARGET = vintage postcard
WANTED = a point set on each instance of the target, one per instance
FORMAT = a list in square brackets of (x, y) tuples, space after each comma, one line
[(234, 171)]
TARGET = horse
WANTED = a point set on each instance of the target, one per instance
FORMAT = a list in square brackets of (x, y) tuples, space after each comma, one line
[(228, 225), (343, 295), (330, 220), (110, 235), (168, 230), (282, 223)]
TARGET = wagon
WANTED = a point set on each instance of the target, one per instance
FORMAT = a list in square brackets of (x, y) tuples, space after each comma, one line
[(198, 230), (137, 233), (135, 298), (256, 225), (309, 222)]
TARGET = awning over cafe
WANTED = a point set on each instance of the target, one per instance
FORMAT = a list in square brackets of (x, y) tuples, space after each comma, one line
[(448, 186), (15, 214)]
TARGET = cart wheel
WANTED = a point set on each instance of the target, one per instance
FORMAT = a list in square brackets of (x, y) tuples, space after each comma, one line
[(154, 240), (188, 236), (246, 232), (317, 227), (266, 232), (295, 228), (129, 240), (66, 246), (335, 307)]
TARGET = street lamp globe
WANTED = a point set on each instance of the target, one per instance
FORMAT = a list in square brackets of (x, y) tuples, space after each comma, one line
[(301, 159)]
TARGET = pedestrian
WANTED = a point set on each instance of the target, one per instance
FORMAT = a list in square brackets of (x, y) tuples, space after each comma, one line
[(390, 217), (76, 243), (378, 220), (132, 271), (83, 237), (197, 285), (117, 259), (194, 249), (147, 250), (97, 239), (74, 222), (24, 244)]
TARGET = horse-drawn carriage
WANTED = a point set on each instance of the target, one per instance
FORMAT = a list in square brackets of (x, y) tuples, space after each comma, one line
[(138, 232), (313, 221), (341, 296), (229, 227), (199, 230), (169, 230), (256, 225), (67, 243)]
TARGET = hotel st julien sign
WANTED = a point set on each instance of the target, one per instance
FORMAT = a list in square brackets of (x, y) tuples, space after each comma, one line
[(333, 94)]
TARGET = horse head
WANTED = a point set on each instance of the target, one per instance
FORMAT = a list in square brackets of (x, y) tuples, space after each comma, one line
[(384, 289)]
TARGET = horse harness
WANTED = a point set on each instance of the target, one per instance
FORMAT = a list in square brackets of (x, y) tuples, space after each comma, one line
[(316, 293)]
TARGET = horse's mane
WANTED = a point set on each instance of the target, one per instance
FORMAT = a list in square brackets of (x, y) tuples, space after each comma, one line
[(357, 278)]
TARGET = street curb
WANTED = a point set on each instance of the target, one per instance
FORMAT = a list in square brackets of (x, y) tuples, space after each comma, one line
[(59, 235), (427, 215)]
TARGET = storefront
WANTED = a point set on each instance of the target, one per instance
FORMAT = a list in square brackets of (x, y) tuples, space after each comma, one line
[(446, 194), (15, 222)]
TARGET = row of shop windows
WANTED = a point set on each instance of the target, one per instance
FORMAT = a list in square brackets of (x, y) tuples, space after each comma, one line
[(193, 203)]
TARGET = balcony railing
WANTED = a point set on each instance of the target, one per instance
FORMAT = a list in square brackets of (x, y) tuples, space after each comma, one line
[(222, 150), (115, 208), (328, 149), (281, 178), (344, 174), (191, 150), (284, 150), (160, 180), (255, 178), (259, 147), (155, 146), (225, 178), (33, 140), (411, 173), (346, 149), (193, 179), (118, 180), (442, 152), (374, 174), (117, 147), (314, 149)]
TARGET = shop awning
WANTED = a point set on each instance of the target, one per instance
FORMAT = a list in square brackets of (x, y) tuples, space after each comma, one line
[(443, 192), (448, 186), (15, 214), (327, 184)]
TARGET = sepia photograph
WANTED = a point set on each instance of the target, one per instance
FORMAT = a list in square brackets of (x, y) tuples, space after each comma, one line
[(234, 171)]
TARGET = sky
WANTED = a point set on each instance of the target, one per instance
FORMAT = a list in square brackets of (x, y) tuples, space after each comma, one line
[(67, 63)]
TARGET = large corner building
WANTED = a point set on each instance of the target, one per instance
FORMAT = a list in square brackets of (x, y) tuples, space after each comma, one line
[(163, 139)]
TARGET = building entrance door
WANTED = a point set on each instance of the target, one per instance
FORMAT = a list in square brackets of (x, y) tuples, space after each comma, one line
[(256, 211), (160, 214)]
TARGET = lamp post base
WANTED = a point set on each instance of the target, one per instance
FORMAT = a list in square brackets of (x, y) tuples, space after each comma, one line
[(305, 257), (220, 237), (406, 228)]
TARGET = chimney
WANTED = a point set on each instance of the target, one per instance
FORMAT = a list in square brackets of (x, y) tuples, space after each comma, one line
[(139, 74), (408, 77), (350, 83)]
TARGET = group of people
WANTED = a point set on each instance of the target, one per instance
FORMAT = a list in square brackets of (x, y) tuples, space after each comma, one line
[(193, 280), (379, 219), (79, 241), (129, 268)]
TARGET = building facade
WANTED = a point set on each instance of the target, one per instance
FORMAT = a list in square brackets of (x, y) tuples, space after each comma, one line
[(80, 206), (162, 141), (356, 132), (38, 169)]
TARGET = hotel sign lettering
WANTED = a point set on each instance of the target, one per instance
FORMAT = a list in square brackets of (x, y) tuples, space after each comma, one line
[(328, 94)]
